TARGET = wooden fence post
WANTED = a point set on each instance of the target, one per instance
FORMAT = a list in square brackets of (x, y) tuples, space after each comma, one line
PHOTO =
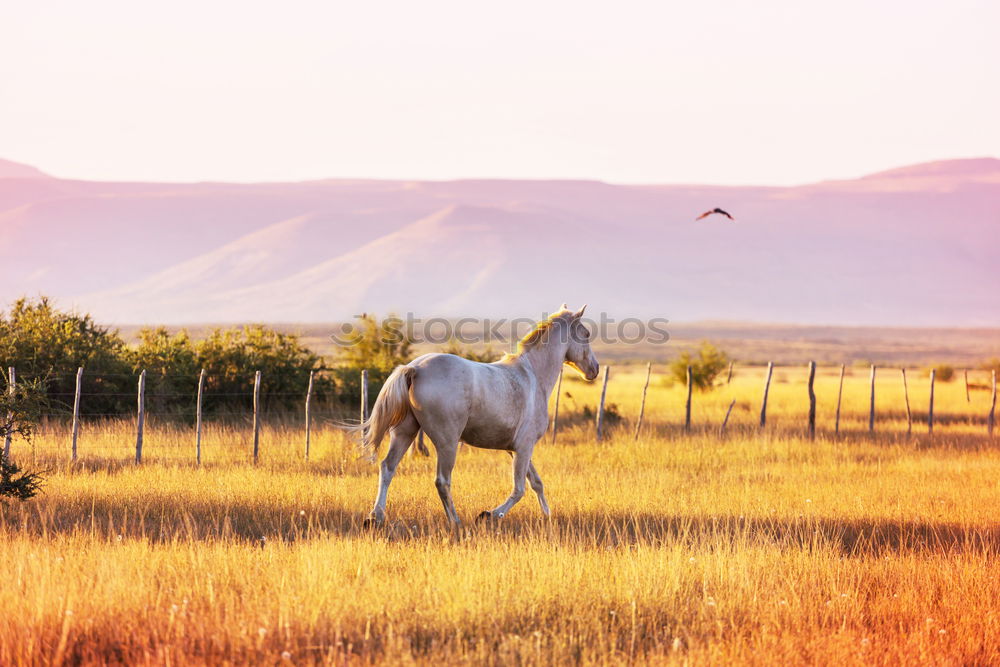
[(729, 377), (767, 388), (76, 413), (256, 416), (812, 401), (11, 380), (141, 410), (642, 405), (871, 403), (309, 395), (722, 429), (555, 415), (968, 399), (687, 405), (906, 397), (600, 408), (197, 419), (364, 395), (840, 395), (993, 405), (930, 406)]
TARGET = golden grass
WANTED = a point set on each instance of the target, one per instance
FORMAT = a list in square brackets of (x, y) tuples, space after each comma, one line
[(755, 548)]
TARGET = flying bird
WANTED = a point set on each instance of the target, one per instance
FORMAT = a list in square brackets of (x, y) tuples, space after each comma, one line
[(715, 210)]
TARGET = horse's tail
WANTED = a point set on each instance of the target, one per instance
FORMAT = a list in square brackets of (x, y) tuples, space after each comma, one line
[(391, 407)]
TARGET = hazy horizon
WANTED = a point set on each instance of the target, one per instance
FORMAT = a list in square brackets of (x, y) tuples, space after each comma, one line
[(815, 254), (555, 178)]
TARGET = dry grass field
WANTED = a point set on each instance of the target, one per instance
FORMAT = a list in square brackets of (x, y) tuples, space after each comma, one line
[(759, 547)]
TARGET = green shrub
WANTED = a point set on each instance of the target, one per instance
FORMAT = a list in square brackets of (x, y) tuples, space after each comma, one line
[(944, 373), (48, 345), (15, 483), (230, 357), (19, 414), (704, 368), (612, 414)]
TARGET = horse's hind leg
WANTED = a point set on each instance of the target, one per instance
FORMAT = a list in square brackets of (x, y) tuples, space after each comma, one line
[(420, 447), (400, 438), (445, 464), (445, 440)]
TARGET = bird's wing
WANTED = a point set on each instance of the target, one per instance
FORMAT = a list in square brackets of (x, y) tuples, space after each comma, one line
[(704, 215)]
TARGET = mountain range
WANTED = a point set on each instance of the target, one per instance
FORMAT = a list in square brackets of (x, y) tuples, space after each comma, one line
[(914, 246)]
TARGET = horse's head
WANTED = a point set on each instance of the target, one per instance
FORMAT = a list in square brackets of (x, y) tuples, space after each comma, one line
[(578, 352)]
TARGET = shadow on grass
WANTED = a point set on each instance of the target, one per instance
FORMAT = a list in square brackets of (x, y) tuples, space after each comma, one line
[(849, 537), (351, 464), (161, 518)]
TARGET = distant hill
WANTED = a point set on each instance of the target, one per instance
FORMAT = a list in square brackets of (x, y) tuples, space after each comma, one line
[(10, 169), (909, 246)]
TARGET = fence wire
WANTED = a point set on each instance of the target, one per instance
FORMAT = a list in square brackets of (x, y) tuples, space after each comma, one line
[(171, 429)]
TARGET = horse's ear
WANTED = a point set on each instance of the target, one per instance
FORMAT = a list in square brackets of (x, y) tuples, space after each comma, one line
[(578, 314), (564, 306)]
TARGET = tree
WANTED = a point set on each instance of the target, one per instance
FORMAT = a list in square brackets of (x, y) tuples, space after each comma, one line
[(704, 368), (171, 366), (160, 353), (375, 346), (49, 345)]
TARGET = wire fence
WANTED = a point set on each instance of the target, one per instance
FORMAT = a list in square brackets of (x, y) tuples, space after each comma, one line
[(164, 418)]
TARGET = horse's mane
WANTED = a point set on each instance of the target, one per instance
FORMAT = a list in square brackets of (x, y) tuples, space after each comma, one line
[(537, 335)]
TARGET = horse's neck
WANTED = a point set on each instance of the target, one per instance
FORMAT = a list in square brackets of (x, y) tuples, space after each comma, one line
[(546, 362)]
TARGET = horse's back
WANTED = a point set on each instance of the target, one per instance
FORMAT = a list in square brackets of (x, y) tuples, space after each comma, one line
[(438, 369), (457, 377)]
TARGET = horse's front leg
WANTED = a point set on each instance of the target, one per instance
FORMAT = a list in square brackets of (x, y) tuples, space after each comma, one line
[(522, 461), (536, 483), (535, 480)]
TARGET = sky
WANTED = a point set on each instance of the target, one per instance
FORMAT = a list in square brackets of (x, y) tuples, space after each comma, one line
[(739, 92)]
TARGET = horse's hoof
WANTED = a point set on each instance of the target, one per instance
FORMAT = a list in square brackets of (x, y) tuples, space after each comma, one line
[(370, 524), (484, 516)]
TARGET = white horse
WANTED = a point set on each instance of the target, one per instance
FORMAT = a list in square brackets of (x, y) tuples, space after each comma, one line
[(503, 405)]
